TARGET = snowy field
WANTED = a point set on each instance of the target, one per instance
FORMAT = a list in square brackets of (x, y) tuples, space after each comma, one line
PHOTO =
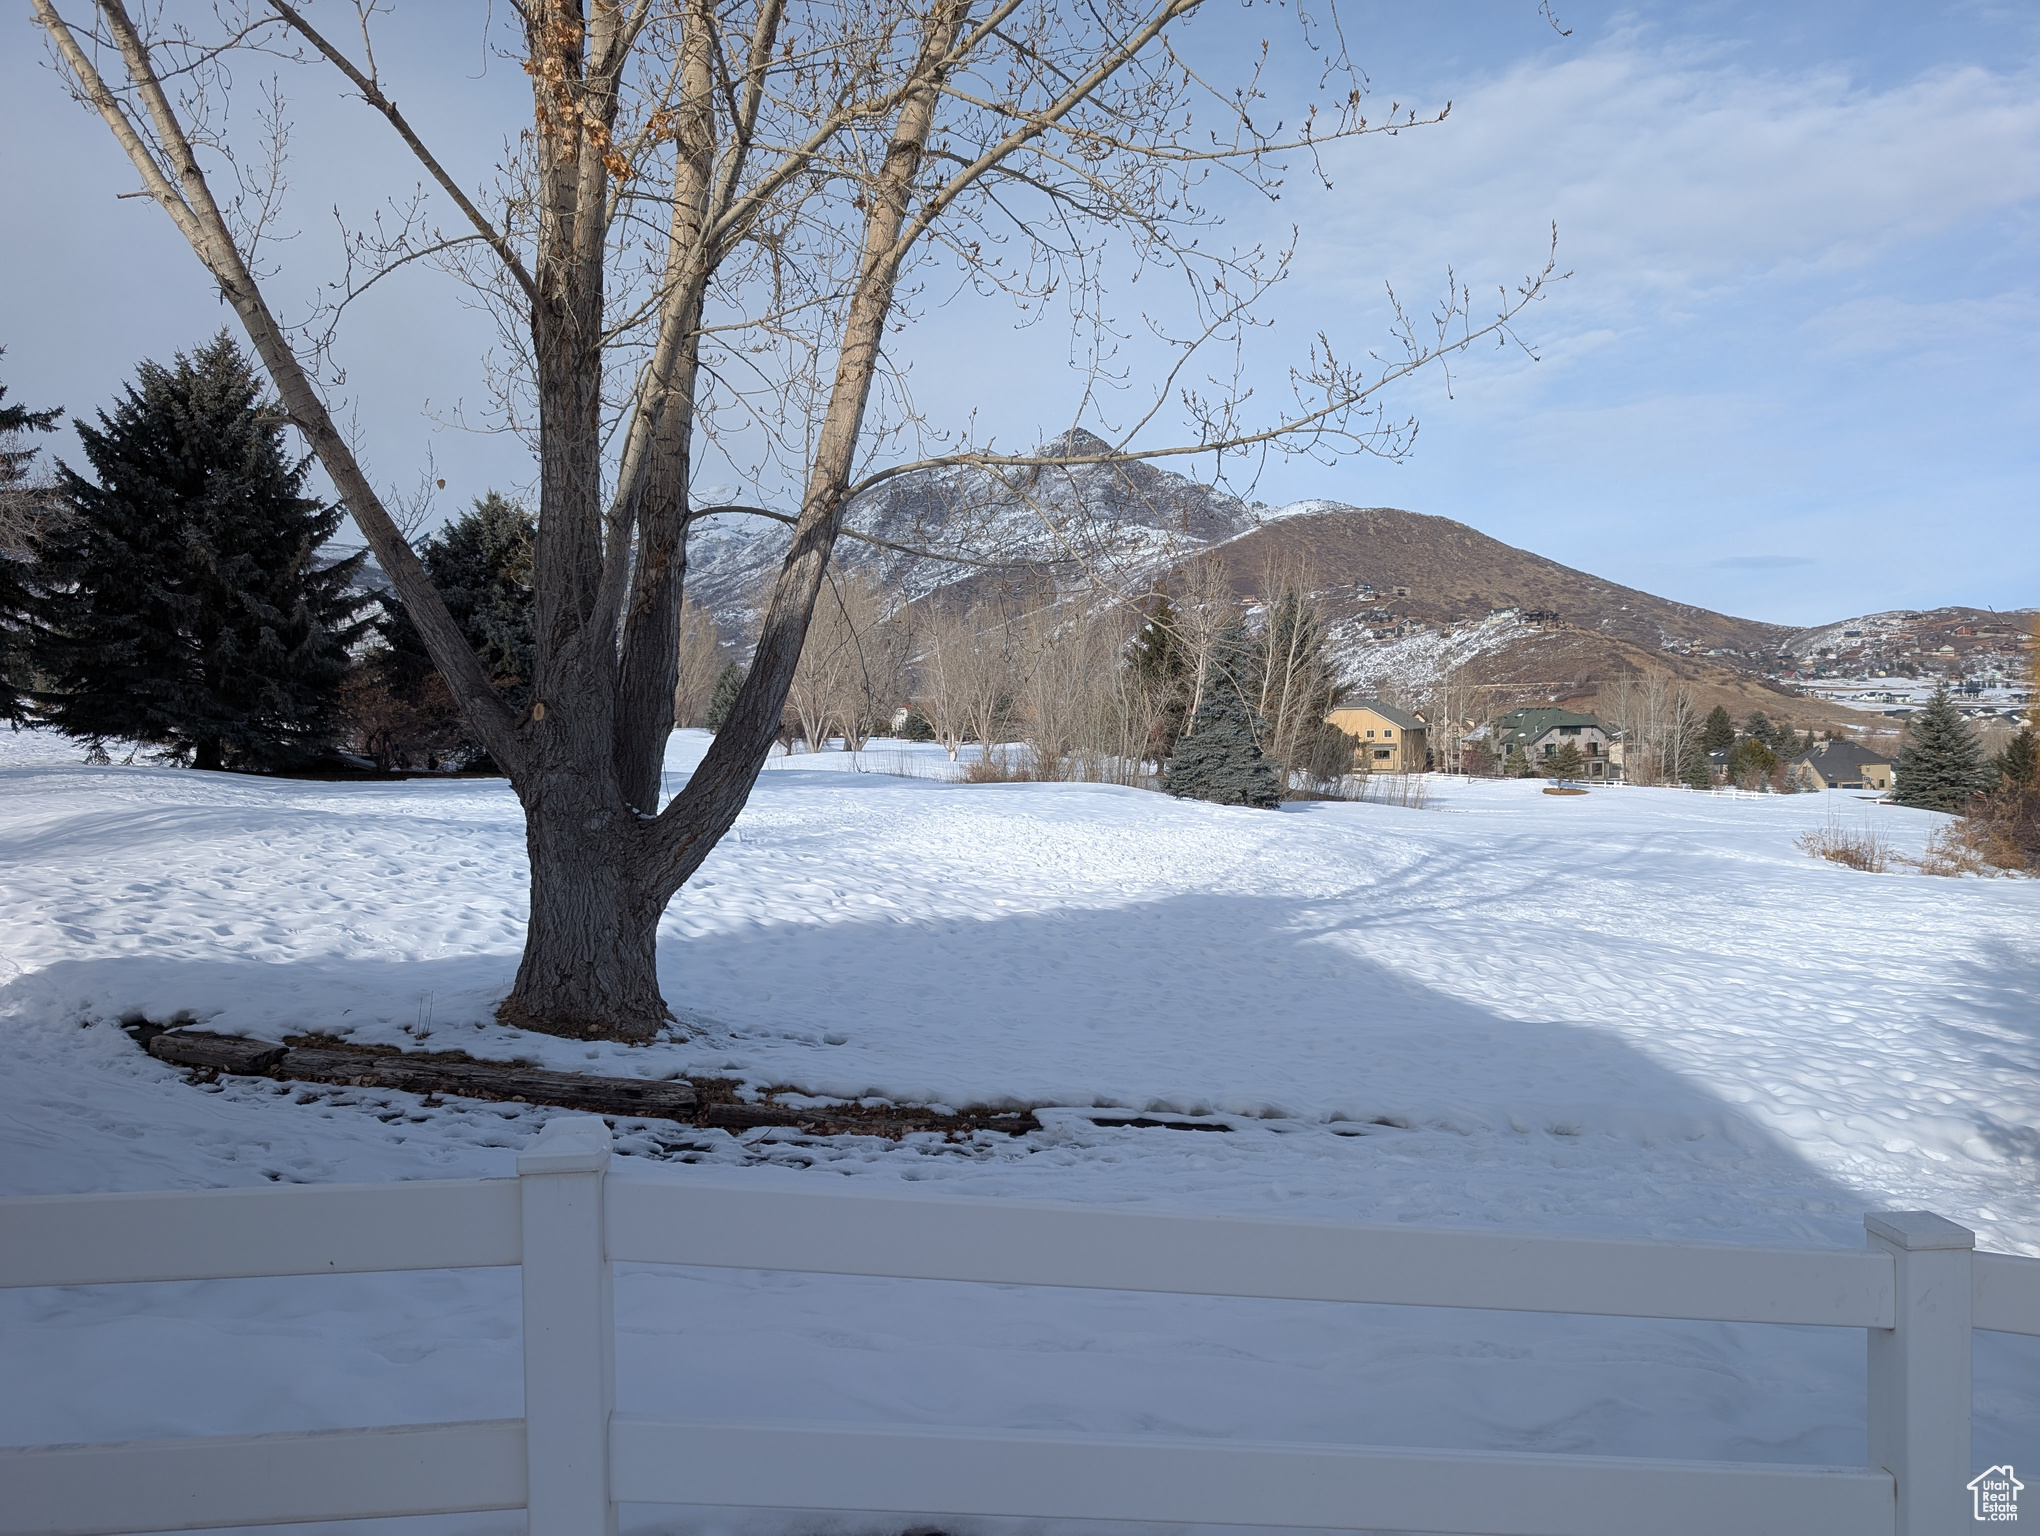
[(1638, 1012)]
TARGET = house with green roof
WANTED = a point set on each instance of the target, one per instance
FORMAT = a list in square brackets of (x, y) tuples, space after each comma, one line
[(1541, 733)]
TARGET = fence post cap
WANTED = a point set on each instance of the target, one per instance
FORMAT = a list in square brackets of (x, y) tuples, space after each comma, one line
[(1915, 1231), (568, 1144)]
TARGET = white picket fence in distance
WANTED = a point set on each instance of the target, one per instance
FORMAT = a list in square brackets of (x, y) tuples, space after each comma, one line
[(1917, 1289)]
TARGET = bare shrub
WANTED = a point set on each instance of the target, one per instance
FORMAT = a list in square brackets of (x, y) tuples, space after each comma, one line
[(995, 765), (1998, 835), (1407, 791), (1863, 847), (398, 726)]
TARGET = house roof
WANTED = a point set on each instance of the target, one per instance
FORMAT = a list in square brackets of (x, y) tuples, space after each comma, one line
[(1533, 723), (1843, 758), (1388, 712)]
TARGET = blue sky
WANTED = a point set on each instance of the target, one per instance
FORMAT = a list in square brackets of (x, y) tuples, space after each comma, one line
[(1791, 376)]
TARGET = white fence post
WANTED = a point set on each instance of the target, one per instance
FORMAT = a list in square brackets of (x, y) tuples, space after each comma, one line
[(569, 1330), (1920, 1372)]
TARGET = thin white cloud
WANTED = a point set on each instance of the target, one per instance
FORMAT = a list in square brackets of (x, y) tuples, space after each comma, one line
[(1670, 170)]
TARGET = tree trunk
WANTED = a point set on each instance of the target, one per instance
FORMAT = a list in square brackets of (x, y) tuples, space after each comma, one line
[(590, 965), (206, 754)]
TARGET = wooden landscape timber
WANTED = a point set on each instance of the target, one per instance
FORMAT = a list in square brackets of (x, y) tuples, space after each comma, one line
[(709, 1103)]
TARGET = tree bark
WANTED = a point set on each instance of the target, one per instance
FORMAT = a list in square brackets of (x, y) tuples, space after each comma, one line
[(590, 965)]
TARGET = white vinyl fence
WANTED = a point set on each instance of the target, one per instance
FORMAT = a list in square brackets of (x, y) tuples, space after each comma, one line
[(1917, 1288)]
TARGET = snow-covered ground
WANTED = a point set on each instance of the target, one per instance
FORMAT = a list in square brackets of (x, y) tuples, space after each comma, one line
[(1640, 1012)]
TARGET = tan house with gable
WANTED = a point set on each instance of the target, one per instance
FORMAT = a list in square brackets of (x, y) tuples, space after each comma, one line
[(1841, 765), (1389, 740)]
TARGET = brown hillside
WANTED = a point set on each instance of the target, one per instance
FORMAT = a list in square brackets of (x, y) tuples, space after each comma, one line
[(1586, 632), (1458, 573), (1575, 668)]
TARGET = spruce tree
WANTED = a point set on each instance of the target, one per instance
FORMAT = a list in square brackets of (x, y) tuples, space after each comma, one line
[(2018, 764), (1696, 772), (1941, 764), (1718, 734), (182, 601), (1758, 727), (481, 562), (20, 517), (1218, 758), (1160, 665), (727, 684), (1517, 764), (1751, 762), (1565, 763)]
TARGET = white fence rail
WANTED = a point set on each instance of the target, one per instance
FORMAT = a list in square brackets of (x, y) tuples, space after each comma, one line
[(1917, 1289)]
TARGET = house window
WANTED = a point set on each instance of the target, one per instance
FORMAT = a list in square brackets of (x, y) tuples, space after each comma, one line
[(1551, 749), (1388, 733), (1370, 735), (1381, 754)]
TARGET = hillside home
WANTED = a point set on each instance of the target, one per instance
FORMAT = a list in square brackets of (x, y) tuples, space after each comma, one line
[(1389, 739), (1541, 733), (1841, 765)]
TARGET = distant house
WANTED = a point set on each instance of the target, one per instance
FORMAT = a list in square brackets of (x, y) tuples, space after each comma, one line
[(1389, 739), (1541, 733), (1841, 765)]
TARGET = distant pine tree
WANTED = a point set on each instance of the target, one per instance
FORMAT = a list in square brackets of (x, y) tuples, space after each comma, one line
[(1718, 734), (1696, 772), (1758, 727), (1565, 763), (1751, 762), (20, 518), (182, 601), (1517, 764), (2018, 764), (1217, 759), (1941, 764), (727, 685), (1160, 664), (481, 562)]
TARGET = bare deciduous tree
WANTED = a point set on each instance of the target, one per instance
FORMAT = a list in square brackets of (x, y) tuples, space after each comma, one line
[(706, 227), (1298, 684), (702, 659), (1656, 723)]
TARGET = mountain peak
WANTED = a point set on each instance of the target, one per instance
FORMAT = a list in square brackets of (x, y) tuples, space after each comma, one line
[(1075, 444)]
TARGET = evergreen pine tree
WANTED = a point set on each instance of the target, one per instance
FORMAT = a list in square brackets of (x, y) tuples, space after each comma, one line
[(1517, 764), (1218, 759), (1160, 664), (2018, 764), (1941, 764), (1696, 772), (727, 683), (19, 517), (1750, 762), (481, 562), (182, 601), (1718, 734), (1758, 727), (1565, 763)]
